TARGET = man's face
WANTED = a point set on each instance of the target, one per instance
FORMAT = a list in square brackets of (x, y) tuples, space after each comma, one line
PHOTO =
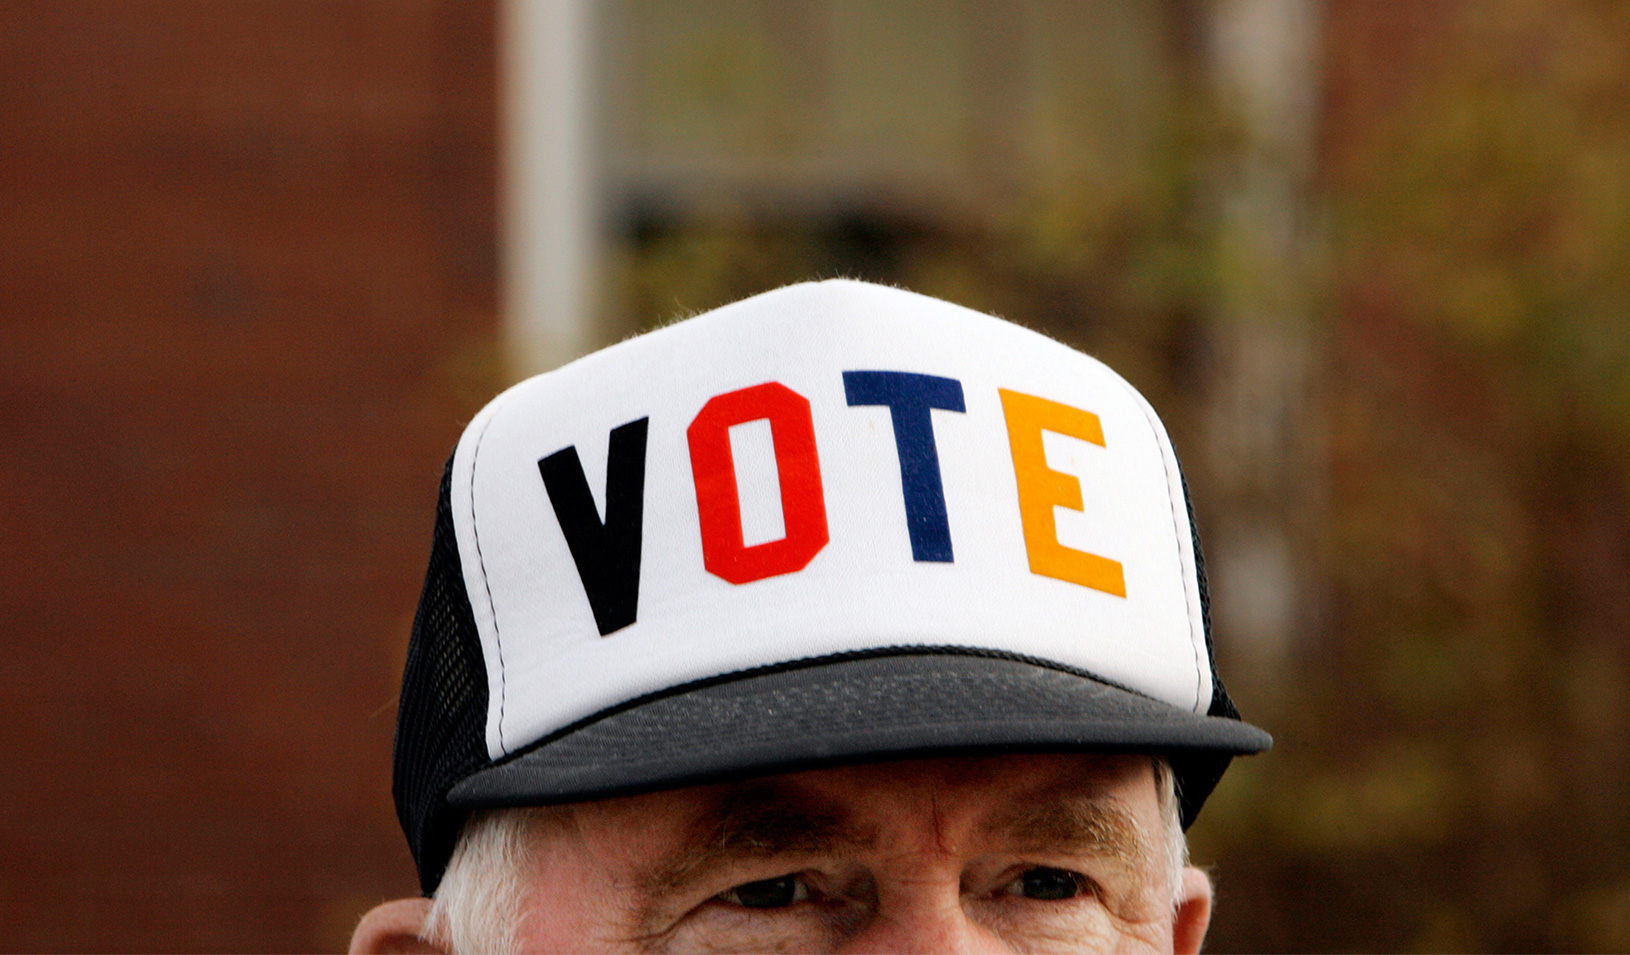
[(1043, 852)]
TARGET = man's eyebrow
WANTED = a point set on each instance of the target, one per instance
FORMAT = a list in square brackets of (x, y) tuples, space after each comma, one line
[(753, 822), (1076, 822)]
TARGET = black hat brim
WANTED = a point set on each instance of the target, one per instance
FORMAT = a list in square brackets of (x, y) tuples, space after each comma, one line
[(817, 713)]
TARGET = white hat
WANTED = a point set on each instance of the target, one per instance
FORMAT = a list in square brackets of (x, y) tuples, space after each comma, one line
[(831, 523)]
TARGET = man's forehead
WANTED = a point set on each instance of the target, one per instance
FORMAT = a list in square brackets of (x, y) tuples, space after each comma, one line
[(1083, 804), (851, 802)]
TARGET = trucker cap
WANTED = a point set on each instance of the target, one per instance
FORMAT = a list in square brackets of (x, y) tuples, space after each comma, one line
[(834, 523)]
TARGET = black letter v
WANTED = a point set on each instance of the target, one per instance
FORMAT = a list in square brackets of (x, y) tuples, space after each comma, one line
[(608, 554)]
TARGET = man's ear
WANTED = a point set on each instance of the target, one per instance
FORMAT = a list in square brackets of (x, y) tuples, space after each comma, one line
[(1193, 914), (394, 927)]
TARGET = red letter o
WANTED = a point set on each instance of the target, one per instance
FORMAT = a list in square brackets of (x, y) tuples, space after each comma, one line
[(803, 507)]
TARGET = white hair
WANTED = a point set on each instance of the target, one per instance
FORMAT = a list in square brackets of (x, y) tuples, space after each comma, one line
[(1177, 844), (477, 906)]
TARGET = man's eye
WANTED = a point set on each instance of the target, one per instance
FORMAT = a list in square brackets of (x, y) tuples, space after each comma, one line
[(768, 893), (1046, 884)]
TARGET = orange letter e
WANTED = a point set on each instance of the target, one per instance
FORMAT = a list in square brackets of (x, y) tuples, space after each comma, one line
[(1041, 489)]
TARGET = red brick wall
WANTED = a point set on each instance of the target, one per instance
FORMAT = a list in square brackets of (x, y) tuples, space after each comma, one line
[(246, 302)]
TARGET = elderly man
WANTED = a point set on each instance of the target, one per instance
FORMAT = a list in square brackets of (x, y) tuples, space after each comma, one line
[(838, 619)]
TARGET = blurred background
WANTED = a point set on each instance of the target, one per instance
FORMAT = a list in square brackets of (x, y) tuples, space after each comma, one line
[(261, 259)]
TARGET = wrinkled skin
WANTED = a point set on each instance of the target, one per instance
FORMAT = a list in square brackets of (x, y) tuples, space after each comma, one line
[(1003, 853)]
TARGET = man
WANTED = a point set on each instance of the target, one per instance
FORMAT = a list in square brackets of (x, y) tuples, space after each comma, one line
[(839, 618)]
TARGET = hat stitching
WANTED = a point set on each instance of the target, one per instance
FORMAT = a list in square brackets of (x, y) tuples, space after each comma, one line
[(486, 580), (1154, 422)]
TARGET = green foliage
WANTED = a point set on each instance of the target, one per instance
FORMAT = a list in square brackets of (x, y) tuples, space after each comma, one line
[(1454, 761)]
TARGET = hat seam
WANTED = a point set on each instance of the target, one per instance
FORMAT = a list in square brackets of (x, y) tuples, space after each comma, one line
[(486, 580), (1177, 536)]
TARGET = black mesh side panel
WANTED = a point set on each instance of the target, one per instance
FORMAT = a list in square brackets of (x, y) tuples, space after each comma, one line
[(441, 721), (1198, 775), (1221, 704)]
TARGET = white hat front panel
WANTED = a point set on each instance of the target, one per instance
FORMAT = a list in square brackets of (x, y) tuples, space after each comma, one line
[(775, 523)]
